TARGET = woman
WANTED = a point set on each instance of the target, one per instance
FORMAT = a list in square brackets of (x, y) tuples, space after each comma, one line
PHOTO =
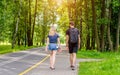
[(53, 43)]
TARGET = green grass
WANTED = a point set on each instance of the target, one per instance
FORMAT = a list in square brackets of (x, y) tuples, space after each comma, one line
[(7, 48), (94, 54), (109, 66)]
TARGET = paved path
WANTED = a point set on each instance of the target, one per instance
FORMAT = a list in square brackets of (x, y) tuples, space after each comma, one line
[(15, 63), (62, 67), (29, 63), (36, 62)]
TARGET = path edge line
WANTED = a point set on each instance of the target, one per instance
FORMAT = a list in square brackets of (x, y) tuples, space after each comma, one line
[(34, 66)]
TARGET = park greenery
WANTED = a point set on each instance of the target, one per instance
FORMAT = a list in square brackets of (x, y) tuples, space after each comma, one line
[(108, 65), (25, 24), (7, 48)]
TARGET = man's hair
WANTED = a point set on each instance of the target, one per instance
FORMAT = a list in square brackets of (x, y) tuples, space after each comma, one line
[(72, 23)]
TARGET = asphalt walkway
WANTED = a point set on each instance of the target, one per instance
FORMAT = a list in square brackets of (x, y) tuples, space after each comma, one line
[(62, 67), (34, 62)]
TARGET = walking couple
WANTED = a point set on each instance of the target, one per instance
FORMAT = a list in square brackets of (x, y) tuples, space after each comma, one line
[(72, 44)]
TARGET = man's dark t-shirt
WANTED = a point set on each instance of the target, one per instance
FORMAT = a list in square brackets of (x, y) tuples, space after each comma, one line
[(73, 47), (68, 32)]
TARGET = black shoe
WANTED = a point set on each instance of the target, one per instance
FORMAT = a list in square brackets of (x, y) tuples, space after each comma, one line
[(72, 67), (52, 68)]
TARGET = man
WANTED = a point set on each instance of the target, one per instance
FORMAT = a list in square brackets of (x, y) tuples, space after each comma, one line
[(72, 43)]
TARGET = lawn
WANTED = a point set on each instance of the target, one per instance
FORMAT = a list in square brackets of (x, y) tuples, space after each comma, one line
[(7, 48), (110, 65)]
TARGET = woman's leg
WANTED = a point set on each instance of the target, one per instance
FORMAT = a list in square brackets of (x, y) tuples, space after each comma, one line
[(51, 53), (52, 58)]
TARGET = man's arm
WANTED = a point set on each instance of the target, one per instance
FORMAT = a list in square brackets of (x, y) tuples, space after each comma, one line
[(78, 41), (67, 39)]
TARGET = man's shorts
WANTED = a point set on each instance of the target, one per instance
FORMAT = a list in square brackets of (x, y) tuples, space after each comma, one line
[(53, 46), (73, 48)]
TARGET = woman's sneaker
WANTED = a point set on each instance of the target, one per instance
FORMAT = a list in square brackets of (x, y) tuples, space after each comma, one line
[(72, 67), (52, 68)]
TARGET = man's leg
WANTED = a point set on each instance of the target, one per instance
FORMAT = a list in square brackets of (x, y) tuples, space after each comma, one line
[(74, 54), (74, 59), (71, 59)]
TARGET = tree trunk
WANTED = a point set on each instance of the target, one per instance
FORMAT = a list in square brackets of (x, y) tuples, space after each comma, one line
[(117, 33), (87, 26), (16, 29), (75, 12), (34, 19), (43, 33), (29, 37), (94, 24), (102, 27), (69, 10), (80, 25), (25, 23), (44, 26), (110, 43), (93, 38), (25, 30), (18, 38)]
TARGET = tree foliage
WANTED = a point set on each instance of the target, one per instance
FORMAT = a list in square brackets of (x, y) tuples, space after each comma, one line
[(27, 22)]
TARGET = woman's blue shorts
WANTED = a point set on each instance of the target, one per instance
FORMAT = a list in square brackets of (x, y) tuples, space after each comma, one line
[(53, 46)]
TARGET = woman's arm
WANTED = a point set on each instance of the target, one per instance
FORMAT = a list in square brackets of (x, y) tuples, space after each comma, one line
[(47, 43), (59, 42)]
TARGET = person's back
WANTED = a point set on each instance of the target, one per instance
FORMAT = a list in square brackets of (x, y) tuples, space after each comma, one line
[(72, 43), (53, 41), (73, 35), (53, 38)]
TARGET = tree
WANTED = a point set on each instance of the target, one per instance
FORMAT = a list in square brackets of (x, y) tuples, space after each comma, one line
[(94, 24), (34, 19), (87, 26), (118, 32), (29, 36), (80, 25), (17, 23), (102, 27), (110, 43)]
